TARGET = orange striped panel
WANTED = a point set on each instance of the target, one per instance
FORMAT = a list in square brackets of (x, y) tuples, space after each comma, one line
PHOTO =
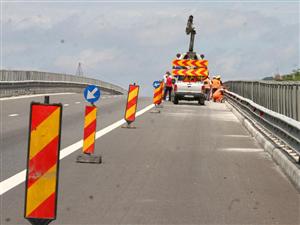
[(157, 97), (90, 123), (131, 105), (43, 160)]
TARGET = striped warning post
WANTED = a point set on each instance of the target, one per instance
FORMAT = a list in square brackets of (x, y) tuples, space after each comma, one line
[(131, 105), (90, 124), (157, 96), (43, 163)]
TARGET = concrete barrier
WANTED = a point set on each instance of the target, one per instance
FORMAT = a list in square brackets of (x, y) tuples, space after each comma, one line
[(14, 83)]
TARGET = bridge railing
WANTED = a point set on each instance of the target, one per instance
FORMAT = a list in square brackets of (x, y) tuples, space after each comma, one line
[(278, 125), (278, 96), (30, 82)]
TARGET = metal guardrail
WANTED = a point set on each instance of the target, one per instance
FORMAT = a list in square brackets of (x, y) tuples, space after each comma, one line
[(279, 96), (283, 127), (31, 82)]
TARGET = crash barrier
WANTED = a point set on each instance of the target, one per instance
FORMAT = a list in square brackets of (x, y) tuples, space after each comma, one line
[(43, 163), (131, 106), (283, 127), (31, 82), (89, 133), (279, 96)]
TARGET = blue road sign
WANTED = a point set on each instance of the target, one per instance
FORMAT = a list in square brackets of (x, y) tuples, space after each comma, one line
[(156, 84), (91, 93)]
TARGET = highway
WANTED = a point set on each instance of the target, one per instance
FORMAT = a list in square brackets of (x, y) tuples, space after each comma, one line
[(189, 164)]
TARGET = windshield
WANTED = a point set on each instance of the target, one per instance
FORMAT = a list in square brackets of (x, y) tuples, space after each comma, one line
[(188, 78)]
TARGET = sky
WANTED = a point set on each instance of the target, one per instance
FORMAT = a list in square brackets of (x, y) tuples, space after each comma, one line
[(135, 41)]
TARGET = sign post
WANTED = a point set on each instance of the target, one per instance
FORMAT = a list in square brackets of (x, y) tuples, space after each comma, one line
[(157, 96), (91, 94), (131, 106)]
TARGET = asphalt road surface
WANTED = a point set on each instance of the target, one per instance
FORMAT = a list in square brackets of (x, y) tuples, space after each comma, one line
[(188, 164)]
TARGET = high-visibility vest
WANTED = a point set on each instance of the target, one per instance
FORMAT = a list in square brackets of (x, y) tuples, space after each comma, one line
[(207, 83), (215, 83)]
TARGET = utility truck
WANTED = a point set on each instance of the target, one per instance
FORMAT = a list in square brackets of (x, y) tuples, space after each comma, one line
[(189, 71)]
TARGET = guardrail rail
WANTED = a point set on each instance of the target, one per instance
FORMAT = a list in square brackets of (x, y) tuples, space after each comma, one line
[(33, 82), (279, 96), (281, 126)]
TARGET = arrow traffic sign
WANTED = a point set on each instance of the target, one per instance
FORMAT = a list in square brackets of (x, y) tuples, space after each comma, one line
[(156, 84), (91, 93)]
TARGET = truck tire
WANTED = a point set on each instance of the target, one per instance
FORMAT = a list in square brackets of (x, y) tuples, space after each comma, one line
[(175, 100), (201, 101)]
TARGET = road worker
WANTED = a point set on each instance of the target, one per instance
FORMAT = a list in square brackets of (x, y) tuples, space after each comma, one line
[(168, 87), (216, 83), (207, 88), (218, 95)]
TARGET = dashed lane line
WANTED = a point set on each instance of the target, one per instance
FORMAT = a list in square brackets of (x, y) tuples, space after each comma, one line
[(19, 178), (13, 115)]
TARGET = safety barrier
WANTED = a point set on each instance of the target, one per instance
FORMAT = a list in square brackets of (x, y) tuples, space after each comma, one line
[(279, 96), (283, 127), (32, 82)]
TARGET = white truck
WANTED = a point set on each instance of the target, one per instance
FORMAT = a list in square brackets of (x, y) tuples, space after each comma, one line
[(189, 89)]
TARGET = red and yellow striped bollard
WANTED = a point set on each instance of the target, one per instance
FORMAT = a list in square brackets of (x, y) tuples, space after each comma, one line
[(157, 97), (89, 135), (90, 123), (43, 163), (131, 105)]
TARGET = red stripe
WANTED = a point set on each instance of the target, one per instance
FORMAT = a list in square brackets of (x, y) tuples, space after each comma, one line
[(90, 149), (46, 210), (43, 161), (90, 129), (40, 113), (132, 102), (132, 88), (131, 118), (89, 109)]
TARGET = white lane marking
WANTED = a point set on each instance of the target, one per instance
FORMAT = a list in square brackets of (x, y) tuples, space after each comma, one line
[(237, 135), (32, 96), (19, 178), (66, 104), (77, 102), (242, 149), (13, 115)]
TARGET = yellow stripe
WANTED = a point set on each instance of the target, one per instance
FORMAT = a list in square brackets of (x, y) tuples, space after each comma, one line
[(44, 133), (41, 190), (132, 94), (88, 141), (157, 98), (90, 117), (130, 111)]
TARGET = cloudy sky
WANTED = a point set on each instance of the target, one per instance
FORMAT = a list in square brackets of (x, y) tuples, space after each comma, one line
[(134, 41)]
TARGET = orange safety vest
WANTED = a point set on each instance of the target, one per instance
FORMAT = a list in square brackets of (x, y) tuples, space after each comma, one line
[(207, 83), (215, 83)]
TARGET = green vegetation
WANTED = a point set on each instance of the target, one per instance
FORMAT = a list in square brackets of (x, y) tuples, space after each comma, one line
[(294, 76)]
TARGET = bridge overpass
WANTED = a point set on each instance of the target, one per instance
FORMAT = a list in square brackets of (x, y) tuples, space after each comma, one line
[(189, 164)]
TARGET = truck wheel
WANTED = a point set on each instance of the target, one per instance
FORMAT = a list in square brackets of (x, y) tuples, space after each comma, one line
[(201, 101), (175, 100)]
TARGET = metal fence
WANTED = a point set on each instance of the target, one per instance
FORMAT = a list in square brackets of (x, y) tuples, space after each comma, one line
[(27, 82), (278, 96)]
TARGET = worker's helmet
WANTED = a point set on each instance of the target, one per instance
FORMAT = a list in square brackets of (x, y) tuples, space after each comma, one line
[(218, 77), (214, 77)]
